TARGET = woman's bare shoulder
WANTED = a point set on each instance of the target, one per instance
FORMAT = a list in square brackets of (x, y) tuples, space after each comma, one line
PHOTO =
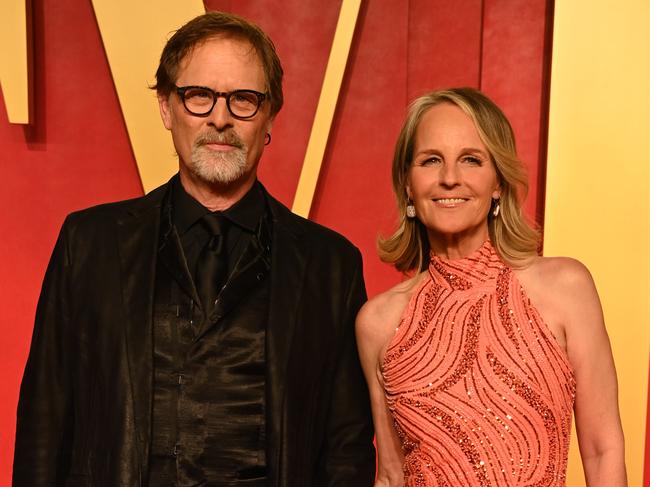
[(558, 287), (378, 318), (557, 274)]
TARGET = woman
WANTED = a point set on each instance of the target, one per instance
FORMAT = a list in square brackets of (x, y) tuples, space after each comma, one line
[(476, 362)]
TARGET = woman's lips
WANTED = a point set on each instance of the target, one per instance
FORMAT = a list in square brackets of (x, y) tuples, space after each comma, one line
[(449, 201)]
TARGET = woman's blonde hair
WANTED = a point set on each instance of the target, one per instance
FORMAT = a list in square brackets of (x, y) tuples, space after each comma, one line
[(513, 237)]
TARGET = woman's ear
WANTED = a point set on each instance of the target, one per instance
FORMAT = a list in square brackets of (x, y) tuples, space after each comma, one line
[(496, 194)]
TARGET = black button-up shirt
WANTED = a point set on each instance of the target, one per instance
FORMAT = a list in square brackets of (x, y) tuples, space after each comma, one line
[(244, 218), (209, 372)]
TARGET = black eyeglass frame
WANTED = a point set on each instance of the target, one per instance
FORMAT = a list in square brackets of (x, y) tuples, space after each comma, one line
[(181, 90)]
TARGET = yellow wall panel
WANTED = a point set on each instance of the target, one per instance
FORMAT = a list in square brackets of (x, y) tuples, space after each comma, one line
[(14, 59), (326, 105), (134, 34), (598, 184)]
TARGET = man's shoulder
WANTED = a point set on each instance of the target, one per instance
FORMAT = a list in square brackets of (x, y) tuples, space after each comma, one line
[(101, 214), (325, 235), (316, 234)]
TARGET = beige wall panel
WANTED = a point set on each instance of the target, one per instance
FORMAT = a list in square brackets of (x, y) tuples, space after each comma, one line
[(134, 34), (14, 60), (598, 184), (326, 106)]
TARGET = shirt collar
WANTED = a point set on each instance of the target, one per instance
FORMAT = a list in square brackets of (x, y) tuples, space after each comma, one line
[(245, 213)]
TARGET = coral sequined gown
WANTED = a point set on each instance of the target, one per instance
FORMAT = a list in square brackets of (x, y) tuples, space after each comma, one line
[(480, 391)]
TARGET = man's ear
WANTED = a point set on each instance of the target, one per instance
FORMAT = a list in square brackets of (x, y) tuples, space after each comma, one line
[(165, 110)]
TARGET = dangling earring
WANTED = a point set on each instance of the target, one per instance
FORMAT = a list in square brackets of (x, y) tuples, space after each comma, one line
[(267, 138), (410, 210), (497, 208)]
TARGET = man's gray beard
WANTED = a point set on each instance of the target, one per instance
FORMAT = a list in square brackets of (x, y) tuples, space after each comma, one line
[(218, 166), (221, 167)]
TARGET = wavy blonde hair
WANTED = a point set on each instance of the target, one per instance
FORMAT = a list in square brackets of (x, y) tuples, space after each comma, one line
[(513, 237)]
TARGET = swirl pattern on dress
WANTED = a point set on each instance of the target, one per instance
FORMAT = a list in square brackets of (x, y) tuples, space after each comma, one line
[(480, 391)]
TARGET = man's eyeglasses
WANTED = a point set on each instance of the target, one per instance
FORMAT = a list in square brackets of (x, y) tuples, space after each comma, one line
[(199, 101)]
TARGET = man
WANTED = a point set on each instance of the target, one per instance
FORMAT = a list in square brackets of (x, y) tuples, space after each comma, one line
[(201, 334)]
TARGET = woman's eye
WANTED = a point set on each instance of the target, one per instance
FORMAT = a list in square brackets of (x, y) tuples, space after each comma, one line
[(429, 161), (473, 160)]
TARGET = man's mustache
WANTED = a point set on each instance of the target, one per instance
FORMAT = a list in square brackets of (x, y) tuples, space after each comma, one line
[(229, 138)]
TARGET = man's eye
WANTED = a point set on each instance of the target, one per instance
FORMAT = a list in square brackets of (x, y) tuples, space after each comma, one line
[(242, 98), (198, 94)]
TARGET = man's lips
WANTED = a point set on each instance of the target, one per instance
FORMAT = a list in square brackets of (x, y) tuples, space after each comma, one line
[(219, 142), (219, 146)]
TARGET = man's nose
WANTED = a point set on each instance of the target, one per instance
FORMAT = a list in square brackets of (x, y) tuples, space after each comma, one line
[(220, 116)]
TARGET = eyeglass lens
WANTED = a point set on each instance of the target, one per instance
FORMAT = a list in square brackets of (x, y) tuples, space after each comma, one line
[(241, 103)]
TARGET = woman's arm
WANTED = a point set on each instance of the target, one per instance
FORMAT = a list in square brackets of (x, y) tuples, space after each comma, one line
[(597, 417), (372, 336)]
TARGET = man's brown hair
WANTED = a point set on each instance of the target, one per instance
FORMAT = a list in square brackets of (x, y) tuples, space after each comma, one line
[(217, 24)]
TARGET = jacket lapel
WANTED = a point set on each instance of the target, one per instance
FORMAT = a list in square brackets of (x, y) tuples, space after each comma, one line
[(137, 245), (289, 258)]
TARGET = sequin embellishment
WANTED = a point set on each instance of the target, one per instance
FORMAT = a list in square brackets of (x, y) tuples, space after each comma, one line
[(480, 391)]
